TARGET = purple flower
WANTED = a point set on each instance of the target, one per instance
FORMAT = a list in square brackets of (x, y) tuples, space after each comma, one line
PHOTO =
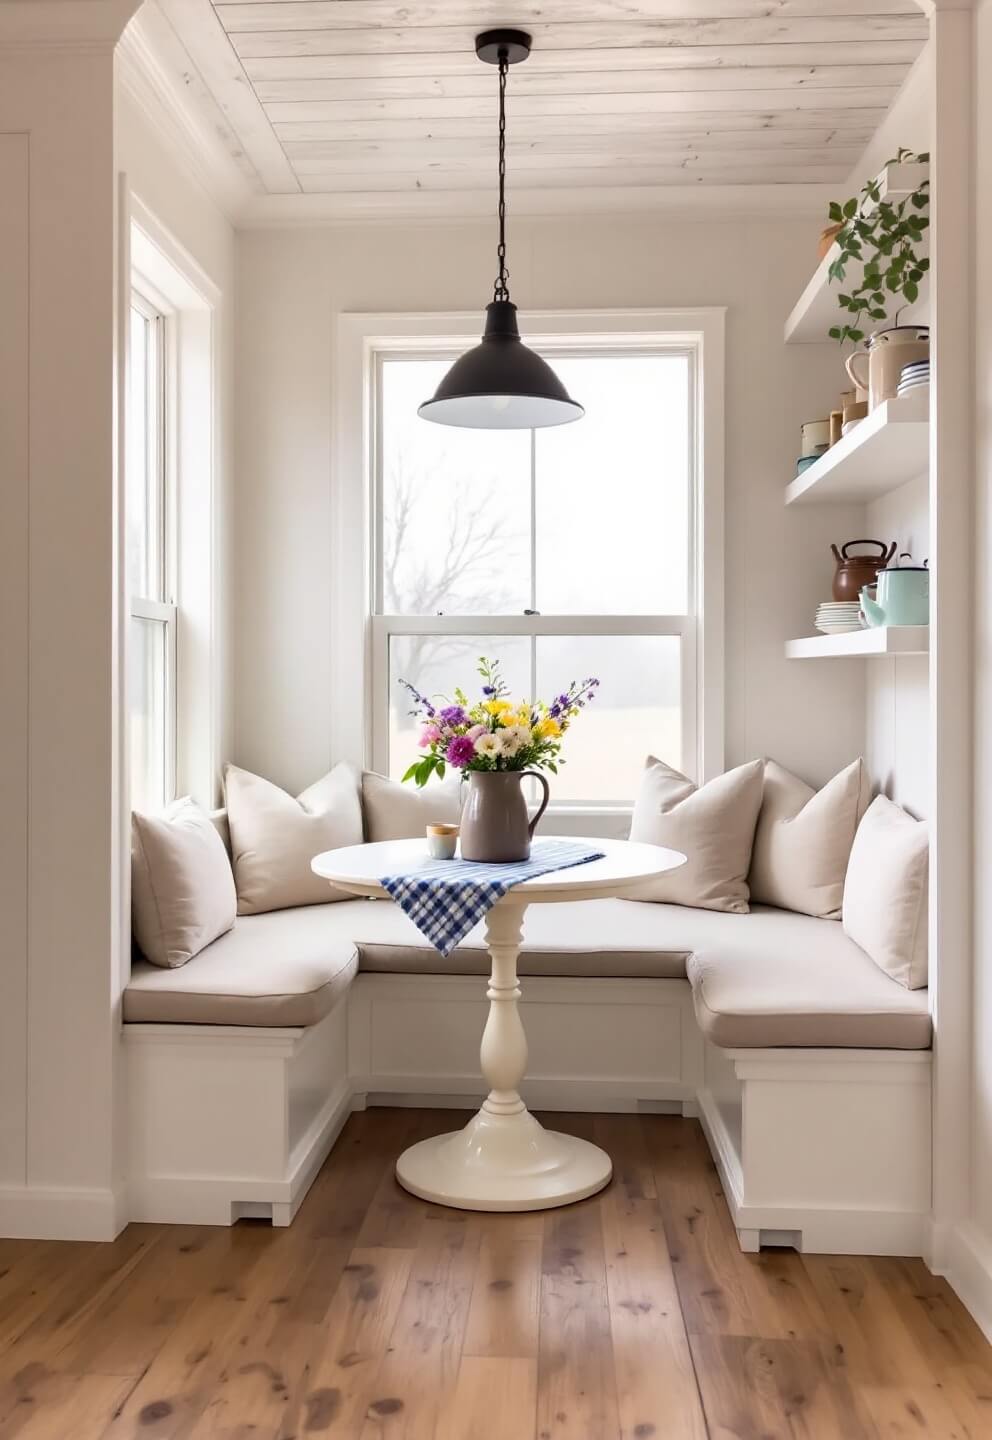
[(489, 689), (460, 751), (453, 715)]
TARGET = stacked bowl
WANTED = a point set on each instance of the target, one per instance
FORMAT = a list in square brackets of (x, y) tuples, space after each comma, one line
[(914, 376)]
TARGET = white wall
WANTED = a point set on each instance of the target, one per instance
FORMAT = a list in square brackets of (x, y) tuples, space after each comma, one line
[(291, 285), (981, 1206), (898, 696), (58, 857), (63, 853)]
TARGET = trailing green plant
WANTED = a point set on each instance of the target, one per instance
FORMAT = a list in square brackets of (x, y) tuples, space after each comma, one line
[(885, 237)]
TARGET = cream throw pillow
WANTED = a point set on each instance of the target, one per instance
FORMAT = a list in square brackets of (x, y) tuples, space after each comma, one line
[(713, 826), (182, 889), (403, 812), (804, 838), (274, 837), (886, 899)]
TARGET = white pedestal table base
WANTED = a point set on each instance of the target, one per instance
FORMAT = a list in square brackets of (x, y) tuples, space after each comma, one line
[(504, 1159)]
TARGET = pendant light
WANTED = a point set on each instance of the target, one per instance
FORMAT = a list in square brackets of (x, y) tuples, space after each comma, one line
[(500, 384)]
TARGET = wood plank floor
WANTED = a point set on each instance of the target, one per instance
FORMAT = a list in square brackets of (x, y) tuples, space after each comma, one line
[(379, 1317)]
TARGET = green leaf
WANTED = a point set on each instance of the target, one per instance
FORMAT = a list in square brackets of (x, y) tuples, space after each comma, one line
[(850, 209), (440, 767), (835, 212), (411, 772), (911, 291)]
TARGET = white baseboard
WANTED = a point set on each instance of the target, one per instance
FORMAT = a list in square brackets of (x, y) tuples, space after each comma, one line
[(49, 1212), (567, 1092), (964, 1258)]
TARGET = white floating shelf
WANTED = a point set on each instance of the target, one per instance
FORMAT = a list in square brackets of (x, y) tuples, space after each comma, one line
[(883, 640), (817, 308), (888, 447)]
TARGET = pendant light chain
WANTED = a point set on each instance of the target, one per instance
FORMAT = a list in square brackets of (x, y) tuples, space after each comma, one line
[(501, 290)]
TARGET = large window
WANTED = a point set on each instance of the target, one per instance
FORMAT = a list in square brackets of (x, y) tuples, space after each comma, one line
[(565, 553), (148, 559)]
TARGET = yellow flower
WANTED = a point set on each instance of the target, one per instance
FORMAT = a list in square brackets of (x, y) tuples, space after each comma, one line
[(547, 728), (497, 707)]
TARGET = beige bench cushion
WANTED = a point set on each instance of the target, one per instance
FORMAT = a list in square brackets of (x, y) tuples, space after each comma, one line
[(768, 978), (790, 980), (580, 939), (282, 968)]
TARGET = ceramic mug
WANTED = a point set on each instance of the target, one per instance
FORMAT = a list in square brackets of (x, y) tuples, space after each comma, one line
[(442, 840)]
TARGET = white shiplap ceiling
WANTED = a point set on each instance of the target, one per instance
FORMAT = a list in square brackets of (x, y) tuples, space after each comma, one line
[(374, 105)]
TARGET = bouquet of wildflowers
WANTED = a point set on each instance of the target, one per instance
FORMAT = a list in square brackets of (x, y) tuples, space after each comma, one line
[(494, 732)]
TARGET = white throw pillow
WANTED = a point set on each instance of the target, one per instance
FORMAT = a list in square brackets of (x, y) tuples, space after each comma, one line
[(713, 826), (804, 838), (403, 812), (182, 889), (274, 836), (886, 898)]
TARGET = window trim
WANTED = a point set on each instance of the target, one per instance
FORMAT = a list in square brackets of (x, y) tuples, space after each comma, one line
[(354, 625), (144, 297), (174, 282)]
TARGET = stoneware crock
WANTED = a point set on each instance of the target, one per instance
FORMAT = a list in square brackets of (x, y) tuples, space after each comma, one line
[(494, 826), (884, 356), (854, 572)]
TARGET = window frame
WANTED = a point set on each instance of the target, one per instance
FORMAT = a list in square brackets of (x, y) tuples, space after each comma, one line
[(360, 634), (162, 608)]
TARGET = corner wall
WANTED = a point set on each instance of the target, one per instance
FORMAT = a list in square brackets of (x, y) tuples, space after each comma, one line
[(976, 1261), (292, 283)]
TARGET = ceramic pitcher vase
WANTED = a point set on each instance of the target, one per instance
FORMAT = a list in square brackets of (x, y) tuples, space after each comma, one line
[(495, 827)]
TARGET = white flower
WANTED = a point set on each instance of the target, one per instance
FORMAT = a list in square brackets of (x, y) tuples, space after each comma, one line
[(514, 738), (491, 745)]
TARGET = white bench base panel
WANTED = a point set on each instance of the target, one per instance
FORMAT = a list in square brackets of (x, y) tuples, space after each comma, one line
[(826, 1150)]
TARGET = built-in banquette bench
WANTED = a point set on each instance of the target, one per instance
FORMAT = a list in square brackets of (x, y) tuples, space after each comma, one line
[(808, 1066), (806, 1062)]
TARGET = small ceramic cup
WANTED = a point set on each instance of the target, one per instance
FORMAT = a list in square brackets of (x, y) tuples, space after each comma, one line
[(442, 841)]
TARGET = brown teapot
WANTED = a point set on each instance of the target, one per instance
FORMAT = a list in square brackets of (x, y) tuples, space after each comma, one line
[(855, 571)]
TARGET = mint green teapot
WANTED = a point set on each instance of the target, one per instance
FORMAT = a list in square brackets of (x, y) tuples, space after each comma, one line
[(902, 595)]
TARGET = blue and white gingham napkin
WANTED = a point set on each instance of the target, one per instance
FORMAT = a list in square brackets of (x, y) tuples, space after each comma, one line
[(445, 898)]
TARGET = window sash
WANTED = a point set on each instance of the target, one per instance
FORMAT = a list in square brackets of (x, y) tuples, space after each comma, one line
[(676, 347), (385, 627), (164, 613), (160, 459)]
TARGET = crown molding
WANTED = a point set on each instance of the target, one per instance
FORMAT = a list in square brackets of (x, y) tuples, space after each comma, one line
[(672, 201), (160, 79), (63, 24)]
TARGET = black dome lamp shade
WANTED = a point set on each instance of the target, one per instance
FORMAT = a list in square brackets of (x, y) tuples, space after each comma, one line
[(500, 384)]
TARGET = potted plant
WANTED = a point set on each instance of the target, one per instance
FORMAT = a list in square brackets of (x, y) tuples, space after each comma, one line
[(884, 238)]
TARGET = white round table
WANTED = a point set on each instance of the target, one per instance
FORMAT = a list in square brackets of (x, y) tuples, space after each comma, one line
[(504, 1159)]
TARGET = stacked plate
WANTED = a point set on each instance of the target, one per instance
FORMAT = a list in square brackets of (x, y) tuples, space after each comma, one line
[(914, 376), (838, 617)]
